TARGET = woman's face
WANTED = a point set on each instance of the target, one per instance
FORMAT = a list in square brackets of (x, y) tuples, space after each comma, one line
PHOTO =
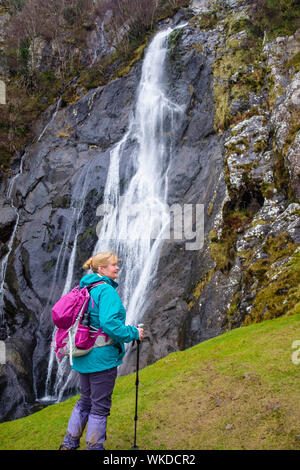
[(111, 270)]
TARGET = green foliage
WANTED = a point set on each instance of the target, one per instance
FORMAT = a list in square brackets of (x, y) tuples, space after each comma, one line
[(271, 17), (278, 276), (281, 176), (35, 23), (24, 54), (294, 62), (70, 14), (277, 17), (200, 286), (206, 21), (238, 69), (173, 39), (237, 215), (16, 5), (281, 172)]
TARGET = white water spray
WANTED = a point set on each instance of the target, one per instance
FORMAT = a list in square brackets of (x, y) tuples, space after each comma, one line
[(4, 261), (10, 190), (151, 129), (56, 391), (51, 120)]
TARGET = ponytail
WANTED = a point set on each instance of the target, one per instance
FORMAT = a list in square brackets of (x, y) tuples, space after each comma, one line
[(88, 264), (101, 259)]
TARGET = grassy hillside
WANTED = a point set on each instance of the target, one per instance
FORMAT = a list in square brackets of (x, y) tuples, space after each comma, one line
[(237, 391)]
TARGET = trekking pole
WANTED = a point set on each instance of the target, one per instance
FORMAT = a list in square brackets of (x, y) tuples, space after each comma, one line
[(135, 447)]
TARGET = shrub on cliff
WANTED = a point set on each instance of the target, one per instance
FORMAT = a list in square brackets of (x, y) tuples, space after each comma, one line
[(50, 38)]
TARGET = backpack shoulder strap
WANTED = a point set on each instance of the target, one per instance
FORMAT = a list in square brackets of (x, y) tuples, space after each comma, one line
[(89, 288)]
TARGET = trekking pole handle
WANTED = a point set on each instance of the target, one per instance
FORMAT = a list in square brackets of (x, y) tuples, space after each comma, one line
[(140, 325)]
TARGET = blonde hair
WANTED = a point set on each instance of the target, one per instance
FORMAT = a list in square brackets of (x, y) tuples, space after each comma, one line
[(101, 259)]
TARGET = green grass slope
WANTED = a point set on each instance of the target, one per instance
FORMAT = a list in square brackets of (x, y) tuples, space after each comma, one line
[(239, 390)]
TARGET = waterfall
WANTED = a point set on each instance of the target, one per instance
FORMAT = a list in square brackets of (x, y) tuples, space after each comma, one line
[(56, 391), (4, 262), (134, 222), (51, 120), (9, 196), (138, 243)]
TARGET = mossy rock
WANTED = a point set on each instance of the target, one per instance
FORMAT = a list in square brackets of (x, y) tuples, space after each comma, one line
[(278, 276)]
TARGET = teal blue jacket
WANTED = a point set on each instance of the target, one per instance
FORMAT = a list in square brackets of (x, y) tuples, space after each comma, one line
[(108, 313)]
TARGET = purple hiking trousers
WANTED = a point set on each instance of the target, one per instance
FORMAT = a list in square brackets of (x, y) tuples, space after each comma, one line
[(92, 409)]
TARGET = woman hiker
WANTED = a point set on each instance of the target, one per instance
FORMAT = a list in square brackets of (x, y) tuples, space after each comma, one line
[(98, 369)]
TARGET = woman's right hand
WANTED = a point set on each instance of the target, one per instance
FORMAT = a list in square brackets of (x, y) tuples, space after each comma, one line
[(141, 333)]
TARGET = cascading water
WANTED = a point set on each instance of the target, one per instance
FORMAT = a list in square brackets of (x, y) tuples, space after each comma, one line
[(52, 119), (10, 196), (134, 221), (4, 261), (56, 391)]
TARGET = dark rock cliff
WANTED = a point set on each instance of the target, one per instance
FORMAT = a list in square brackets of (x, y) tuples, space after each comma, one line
[(245, 172)]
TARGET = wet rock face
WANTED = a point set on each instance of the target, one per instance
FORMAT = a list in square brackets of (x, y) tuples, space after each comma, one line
[(257, 227), (283, 120), (7, 224), (235, 174), (66, 167), (17, 394)]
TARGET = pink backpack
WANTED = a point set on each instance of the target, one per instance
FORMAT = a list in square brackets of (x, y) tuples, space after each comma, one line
[(71, 337)]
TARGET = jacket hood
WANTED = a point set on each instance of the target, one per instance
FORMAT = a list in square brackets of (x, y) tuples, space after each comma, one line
[(92, 278)]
